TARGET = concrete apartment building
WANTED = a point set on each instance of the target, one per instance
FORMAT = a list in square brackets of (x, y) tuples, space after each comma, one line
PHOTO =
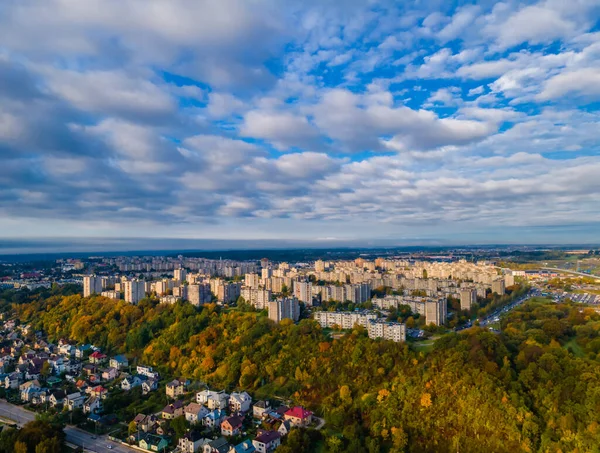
[(436, 312), (393, 331), (199, 294), (180, 275), (468, 297), (287, 308), (91, 285), (135, 290), (498, 287), (345, 320), (258, 298), (303, 291)]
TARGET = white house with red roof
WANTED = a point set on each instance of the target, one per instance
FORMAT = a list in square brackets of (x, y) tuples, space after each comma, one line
[(298, 416)]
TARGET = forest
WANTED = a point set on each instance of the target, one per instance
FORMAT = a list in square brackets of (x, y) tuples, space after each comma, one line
[(533, 387)]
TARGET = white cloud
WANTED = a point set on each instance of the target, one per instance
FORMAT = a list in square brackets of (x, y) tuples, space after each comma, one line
[(583, 82), (284, 130)]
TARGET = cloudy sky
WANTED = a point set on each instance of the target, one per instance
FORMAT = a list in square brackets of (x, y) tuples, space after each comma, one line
[(314, 120)]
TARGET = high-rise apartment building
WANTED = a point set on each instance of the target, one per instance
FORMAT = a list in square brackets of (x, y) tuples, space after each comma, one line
[(468, 297), (287, 308), (135, 290), (180, 275), (199, 294), (436, 312), (303, 292), (91, 285), (498, 286)]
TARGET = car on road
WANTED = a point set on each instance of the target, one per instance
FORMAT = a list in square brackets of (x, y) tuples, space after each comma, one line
[(110, 447)]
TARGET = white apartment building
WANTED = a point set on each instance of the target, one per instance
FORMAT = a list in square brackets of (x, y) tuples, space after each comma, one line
[(468, 297), (287, 308), (91, 285), (393, 331), (303, 292), (199, 294), (135, 290), (345, 320)]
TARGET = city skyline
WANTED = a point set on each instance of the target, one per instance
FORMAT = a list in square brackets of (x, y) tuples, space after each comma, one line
[(310, 123)]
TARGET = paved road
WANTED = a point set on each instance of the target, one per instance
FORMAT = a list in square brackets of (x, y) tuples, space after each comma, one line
[(74, 435)]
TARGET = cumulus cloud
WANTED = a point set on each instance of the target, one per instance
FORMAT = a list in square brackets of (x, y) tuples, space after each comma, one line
[(386, 116)]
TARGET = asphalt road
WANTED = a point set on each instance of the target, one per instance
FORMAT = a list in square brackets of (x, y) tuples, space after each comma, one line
[(74, 435)]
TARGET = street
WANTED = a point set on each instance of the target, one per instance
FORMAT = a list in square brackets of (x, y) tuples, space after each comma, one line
[(74, 435)]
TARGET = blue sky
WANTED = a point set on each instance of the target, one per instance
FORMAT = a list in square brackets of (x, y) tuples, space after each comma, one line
[(314, 120)]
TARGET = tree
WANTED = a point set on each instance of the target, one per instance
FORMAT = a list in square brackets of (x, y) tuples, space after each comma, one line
[(132, 428), (20, 447)]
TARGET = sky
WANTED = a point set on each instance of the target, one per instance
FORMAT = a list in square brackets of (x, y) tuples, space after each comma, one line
[(316, 121)]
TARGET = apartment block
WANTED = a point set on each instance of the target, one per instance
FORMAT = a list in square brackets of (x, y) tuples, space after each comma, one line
[(287, 308)]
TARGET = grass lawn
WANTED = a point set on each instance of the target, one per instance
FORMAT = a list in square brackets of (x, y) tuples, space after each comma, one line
[(424, 345), (574, 346)]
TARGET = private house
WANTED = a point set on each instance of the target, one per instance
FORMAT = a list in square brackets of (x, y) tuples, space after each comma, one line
[(240, 402), (97, 358), (130, 382), (219, 445), (56, 397), (119, 362), (147, 371), (213, 418), (259, 409), (192, 442), (153, 442), (213, 400), (99, 392), (92, 405), (244, 447), (146, 423), (109, 374), (74, 401), (81, 352), (298, 416), (284, 428), (231, 426), (149, 385), (13, 380), (173, 410), (194, 412), (175, 388), (29, 390), (267, 441)]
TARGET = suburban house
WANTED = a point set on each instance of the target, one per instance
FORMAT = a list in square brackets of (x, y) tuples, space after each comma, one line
[(245, 447), (99, 391), (214, 418), (119, 362), (267, 441), (146, 422), (74, 401), (195, 412), (109, 374), (240, 402), (284, 428), (153, 442), (213, 400), (173, 410), (92, 405), (231, 426), (56, 397), (130, 382), (13, 380), (219, 445), (147, 371), (97, 357), (298, 416), (175, 388), (149, 385), (29, 390), (260, 408), (191, 442)]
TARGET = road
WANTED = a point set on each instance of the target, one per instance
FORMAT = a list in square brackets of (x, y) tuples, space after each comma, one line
[(74, 435), (496, 314), (567, 271)]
